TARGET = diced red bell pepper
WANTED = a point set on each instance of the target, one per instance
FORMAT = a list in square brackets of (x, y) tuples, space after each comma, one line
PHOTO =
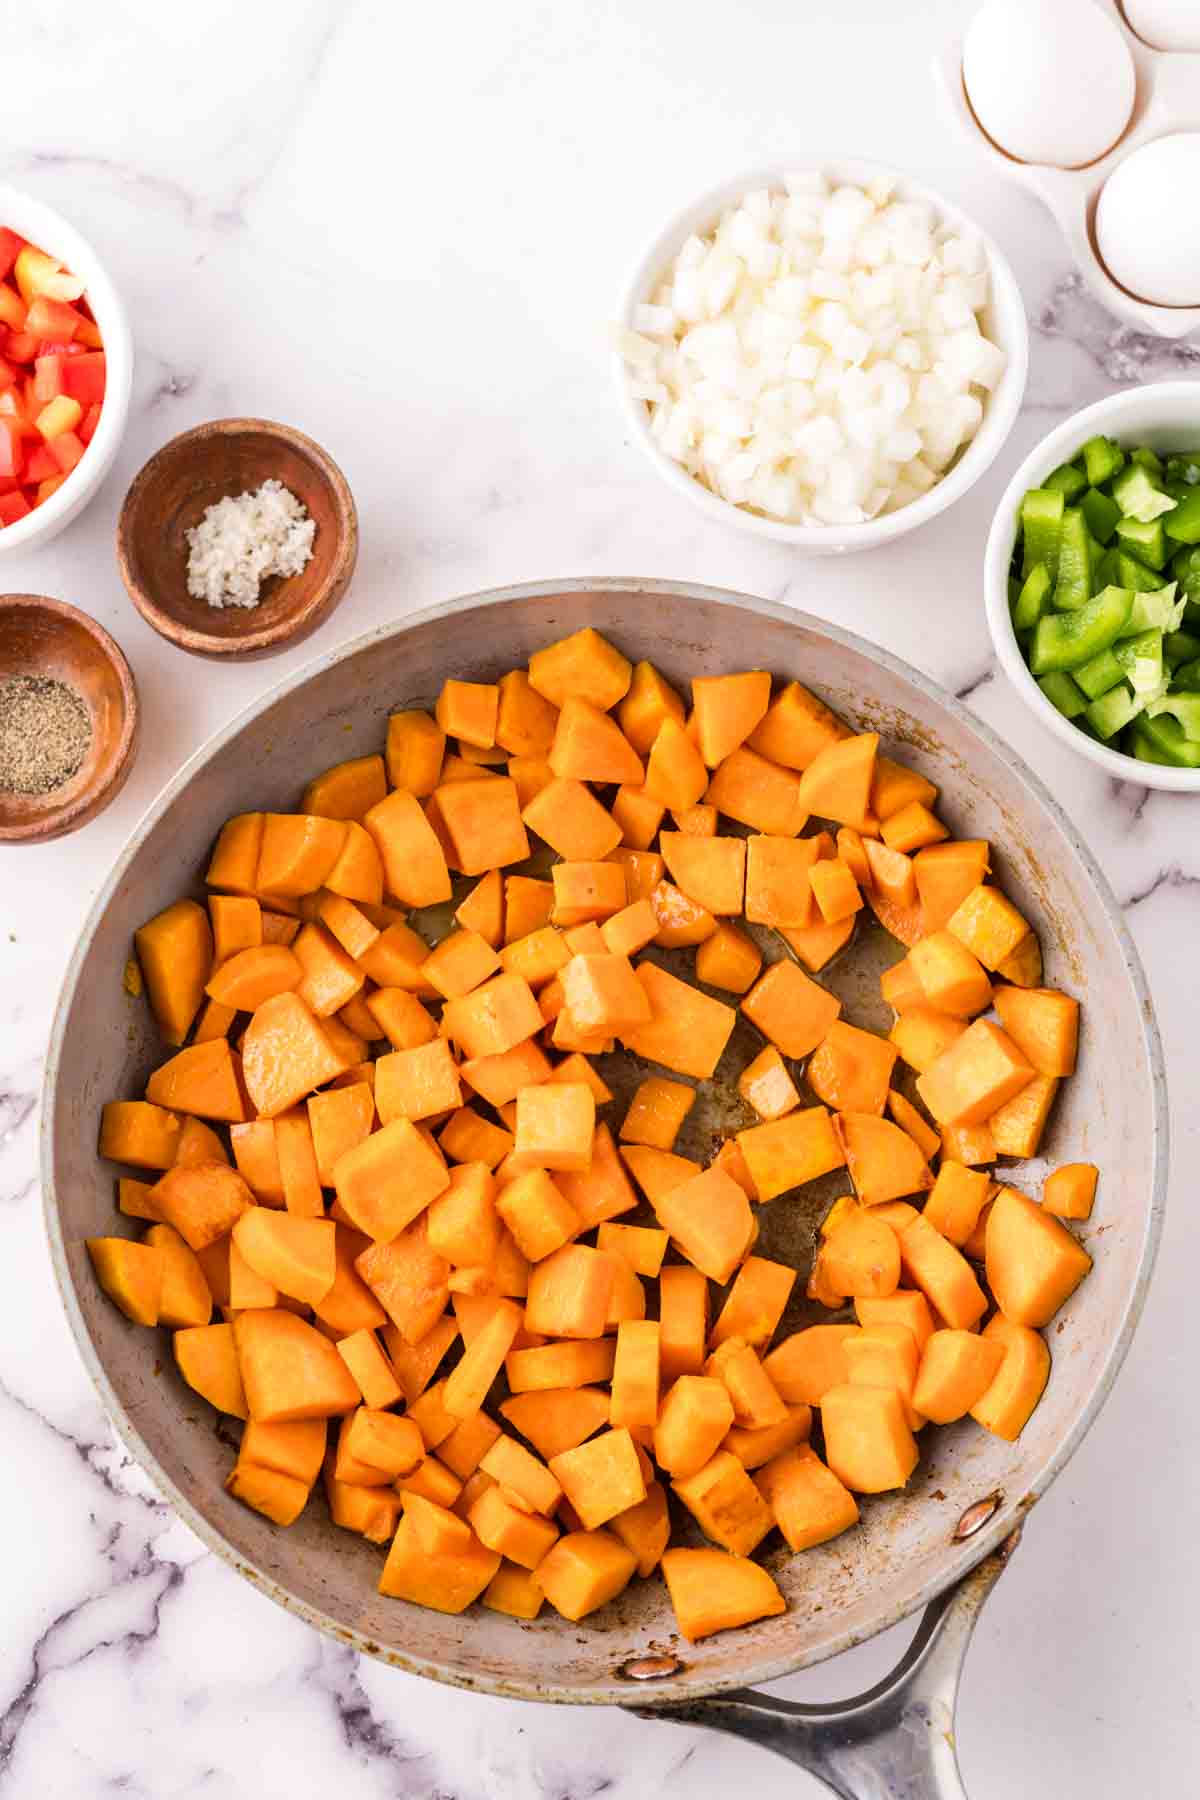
[(10, 244), (41, 464), (66, 449), (13, 506), (12, 449), (8, 374), (48, 381), (88, 424), (83, 377), (88, 335), (52, 319), (12, 308), (50, 486), (22, 346)]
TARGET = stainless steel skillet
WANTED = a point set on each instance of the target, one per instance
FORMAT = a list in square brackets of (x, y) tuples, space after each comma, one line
[(913, 1551)]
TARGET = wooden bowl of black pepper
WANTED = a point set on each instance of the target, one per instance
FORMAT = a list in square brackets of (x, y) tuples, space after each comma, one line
[(68, 719), (229, 460)]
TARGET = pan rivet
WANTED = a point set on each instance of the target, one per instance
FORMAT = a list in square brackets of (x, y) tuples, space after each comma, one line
[(977, 1516), (649, 1668)]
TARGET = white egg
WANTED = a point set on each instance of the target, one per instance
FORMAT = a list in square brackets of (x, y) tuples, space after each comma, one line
[(1147, 229), (1166, 24), (1051, 81)]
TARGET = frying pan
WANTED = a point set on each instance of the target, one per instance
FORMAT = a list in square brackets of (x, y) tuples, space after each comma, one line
[(940, 1545)]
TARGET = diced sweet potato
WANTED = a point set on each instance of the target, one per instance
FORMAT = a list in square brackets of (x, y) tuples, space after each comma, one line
[(1016, 1127), (869, 1445), (583, 1571), (837, 783), (754, 1446), (468, 710), (942, 1273), (725, 1503), (680, 921), (630, 930), (758, 793), (862, 1258), (494, 1018), (1017, 1386), (175, 955), (912, 828), (835, 891), (466, 1137), (297, 852), (850, 1070), (295, 1255), (635, 1380), (289, 1371), (467, 1384), (415, 747), (778, 871), (905, 1307), (483, 819), (568, 1365), (569, 1293), (414, 863), (257, 1160), (946, 874), (766, 1085), (1023, 966), (755, 1303), (340, 1119), (711, 1591), (409, 1280), (709, 1218), (696, 1416), (757, 1402), (809, 1503), (555, 1126), (590, 746), (988, 923), (809, 1362), (448, 1578), (791, 1010), (675, 773), (572, 821), (360, 1351), (978, 1074), (816, 945), (639, 815), (139, 1133), (203, 1202), (286, 1054), (727, 708), (922, 1036), (586, 891), (884, 1162), (951, 979), (418, 1083), (1070, 1191), (234, 862), (347, 790), (796, 728), (204, 1079), (357, 875), (1044, 1025), (683, 1321), (687, 1031), (957, 1368), (956, 1201), (385, 1181), (601, 1477), (416, 1364), (886, 1356), (208, 1362), (649, 701), (131, 1274), (1033, 1263), (584, 665), (785, 1153), (709, 871)]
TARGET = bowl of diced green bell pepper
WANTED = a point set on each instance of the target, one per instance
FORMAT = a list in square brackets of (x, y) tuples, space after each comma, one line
[(1092, 583)]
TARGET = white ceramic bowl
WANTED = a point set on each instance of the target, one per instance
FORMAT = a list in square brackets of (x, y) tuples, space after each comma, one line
[(34, 220), (1165, 415), (1004, 322)]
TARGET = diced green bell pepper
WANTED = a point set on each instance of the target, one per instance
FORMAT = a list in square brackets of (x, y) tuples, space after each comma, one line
[(1149, 459), (1102, 459), (1063, 692), (1167, 737), (1185, 567), (1101, 514), (1184, 468), (1134, 574), (1180, 647), (1113, 711), (1068, 480), (1138, 494), (1068, 640), (1041, 524), (1182, 524), (1185, 678), (1073, 585), (1147, 542), (1141, 658), (1184, 707), (1153, 611), (1099, 674), (1032, 600)]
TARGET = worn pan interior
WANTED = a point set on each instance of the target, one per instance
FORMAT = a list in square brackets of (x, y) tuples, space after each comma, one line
[(1113, 1113)]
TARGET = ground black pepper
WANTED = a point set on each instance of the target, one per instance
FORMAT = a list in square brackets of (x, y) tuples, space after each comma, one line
[(45, 733)]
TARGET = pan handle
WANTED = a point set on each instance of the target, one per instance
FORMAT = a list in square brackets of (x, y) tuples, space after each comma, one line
[(894, 1742)]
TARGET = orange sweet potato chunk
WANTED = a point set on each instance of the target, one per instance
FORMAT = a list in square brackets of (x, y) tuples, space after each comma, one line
[(850, 1070), (236, 921), (727, 708), (785, 1153), (140, 1133), (791, 1010), (680, 921), (286, 1054), (810, 1505), (778, 871), (709, 1218), (584, 665), (884, 1162), (649, 701), (297, 852), (709, 871), (837, 783), (289, 1371), (569, 1293), (945, 874), (416, 745), (384, 1182), (414, 863), (590, 746), (339, 1119), (728, 959), (494, 1018), (796, 728), (977, 1075), (712, 1591), (1070, 1190), (869, 1444), (175, 955), (1033, 1262), (347, 790), (483, 819), (675, 773), (758, 793), (584, 1571), (234, 862), (687, 1030)]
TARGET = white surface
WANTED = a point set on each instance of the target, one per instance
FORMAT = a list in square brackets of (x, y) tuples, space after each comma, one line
[(1164, 415), (403, 231)]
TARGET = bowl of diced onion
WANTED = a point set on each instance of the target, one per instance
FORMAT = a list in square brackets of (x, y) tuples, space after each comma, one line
[(823, 354)]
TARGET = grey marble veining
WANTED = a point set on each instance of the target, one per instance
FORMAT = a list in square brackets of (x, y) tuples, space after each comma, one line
[(403, 231)]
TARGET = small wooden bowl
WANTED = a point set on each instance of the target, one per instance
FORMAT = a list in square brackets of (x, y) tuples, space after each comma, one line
[(225, 458), (47, 637)]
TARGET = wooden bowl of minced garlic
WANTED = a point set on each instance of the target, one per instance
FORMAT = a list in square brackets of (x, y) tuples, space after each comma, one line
[(238, 538)]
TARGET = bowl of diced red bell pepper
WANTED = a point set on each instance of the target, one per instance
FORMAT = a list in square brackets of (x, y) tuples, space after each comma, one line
[(66, 364)]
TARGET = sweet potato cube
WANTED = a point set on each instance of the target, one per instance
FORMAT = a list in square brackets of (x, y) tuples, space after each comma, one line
[(357, 875), (521, 1476), (295, 1255), (568, 817), (675, 773), (466, 1447), (347, 790), (809, 1362), (587, 890), (796, 728), (905, 1307), (657, 1171), (416, 1364), (340, 1119), (417, 1084), (766, 1085), (850, 1070), (883, 1161), (835, 891), (725, 1503), (837, 783), (785, 1153), (809, 1503), (416, 745), (414, 863), (680, 921), (710, 871), (299, 1173), (951, 979), (791, 1010), (569, 1293), (755, 1303), (657, 1112), (649, 700), (289, 1371), (906, 1115), (133, 1199), (755, 1445), (590, 746), (976, 1076), (468, 1383), (956, 1201), (297, 852), (386, 1180), (601, 1477), (203, 1079), (922, 1036), (330, 977), (988, 924), (133, 1276), (468, 710), (585, 666), (551, 1366), (504, 1526), (893, 884), (900, 989), (494, 1018), (709, 1218), (234, 862), (957, 1368), (514, 1592), (175, 955), (466, 1137), (525, 720), (463, 1225), (584, 1571), (635, 1378), (286, 1054), (483, 819), (1043, 1024), (1069, 1191), (711, 1591), (1033, 1263), (1016, 1128), (942, 1273), (139, 1133), (555, 1125), (236, 921), (1018, 1384), (603, 995), (361, 1352), (778, 890), (869, 1445), (409, 1280), (447, 1580), (886, 1356), (946, 874), (382, 1441), (911, 828), (347, 924), (459, 963), (1023, 966), (758, 793), (538, 1214), (527, 906), (696, 1416), (538, 957), (727, 708), (861, 1258), (203, 1202), (207, 1360), (687, 1030), (556, 1419), (639, 815), (630, 930), (280, 1498)]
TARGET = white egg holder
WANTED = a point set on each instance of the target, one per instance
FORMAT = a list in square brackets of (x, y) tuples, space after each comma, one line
[(1166, 100)]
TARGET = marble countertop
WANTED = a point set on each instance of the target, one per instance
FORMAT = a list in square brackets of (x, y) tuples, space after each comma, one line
[(402, 230)]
